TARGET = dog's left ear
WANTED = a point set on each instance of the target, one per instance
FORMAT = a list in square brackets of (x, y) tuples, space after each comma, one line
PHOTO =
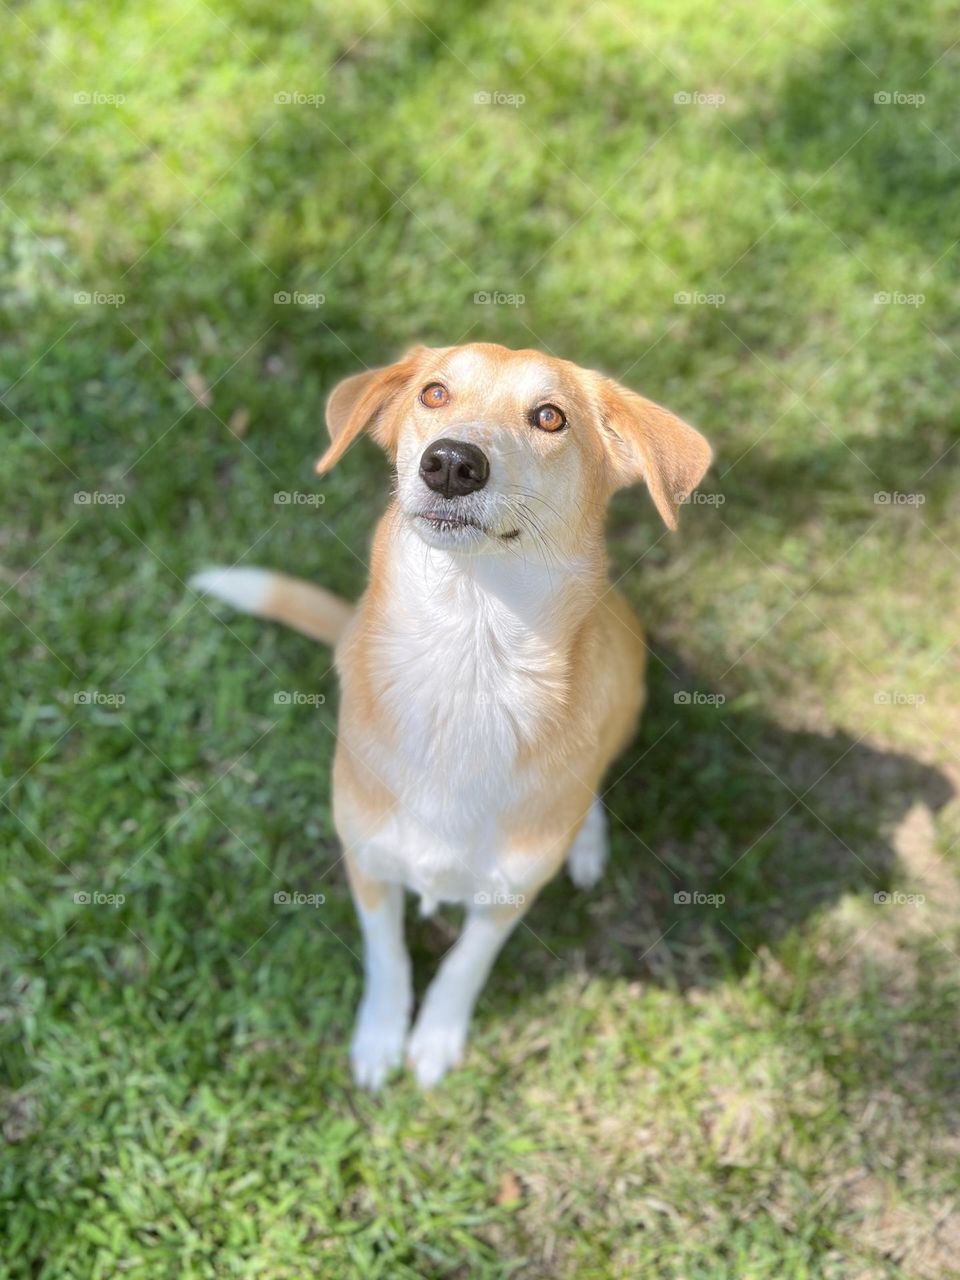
[(362, 402), (646, 442)]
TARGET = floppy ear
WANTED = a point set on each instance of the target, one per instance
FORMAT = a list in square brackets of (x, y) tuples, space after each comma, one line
[(361, 402), (646, 442)]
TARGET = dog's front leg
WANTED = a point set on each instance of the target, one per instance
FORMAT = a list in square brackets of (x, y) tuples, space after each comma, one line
[(440, 1033), (384, 1014)]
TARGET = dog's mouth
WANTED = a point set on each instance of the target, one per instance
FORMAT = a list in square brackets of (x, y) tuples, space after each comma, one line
[(446, 521), (460, 526)]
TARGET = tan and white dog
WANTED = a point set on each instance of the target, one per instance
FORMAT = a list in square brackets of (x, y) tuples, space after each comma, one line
[(489, 673)]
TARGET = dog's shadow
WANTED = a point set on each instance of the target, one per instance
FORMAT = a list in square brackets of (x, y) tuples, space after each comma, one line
[(728, 831)]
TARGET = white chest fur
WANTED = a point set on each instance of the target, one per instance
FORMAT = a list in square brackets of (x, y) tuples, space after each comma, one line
[(468, 661)]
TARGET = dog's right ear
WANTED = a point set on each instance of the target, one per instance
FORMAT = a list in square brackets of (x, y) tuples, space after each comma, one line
[(362, 402)]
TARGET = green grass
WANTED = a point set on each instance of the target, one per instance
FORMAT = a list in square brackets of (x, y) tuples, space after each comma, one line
[(764, 1089)]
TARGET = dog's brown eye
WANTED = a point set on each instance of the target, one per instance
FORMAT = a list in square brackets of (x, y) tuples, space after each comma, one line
[(435, 395), (548, 418)]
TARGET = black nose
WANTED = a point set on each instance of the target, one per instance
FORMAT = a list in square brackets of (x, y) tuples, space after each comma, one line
[(453, 467)]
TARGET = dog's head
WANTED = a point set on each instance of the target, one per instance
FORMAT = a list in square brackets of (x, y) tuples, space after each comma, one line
[(494, 448)]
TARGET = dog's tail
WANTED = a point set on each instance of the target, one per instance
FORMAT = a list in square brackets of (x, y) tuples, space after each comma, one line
[(317, 613)]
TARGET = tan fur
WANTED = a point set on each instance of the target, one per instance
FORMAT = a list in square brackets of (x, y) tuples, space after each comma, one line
[(358, 404), (368, 892), (598, 724), (315, 612), (361, 799), (670, 455)]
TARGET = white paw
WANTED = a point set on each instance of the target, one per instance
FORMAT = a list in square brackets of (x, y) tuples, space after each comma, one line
[(588, 854), (434, 1047), (585, 866), (376, 1048)]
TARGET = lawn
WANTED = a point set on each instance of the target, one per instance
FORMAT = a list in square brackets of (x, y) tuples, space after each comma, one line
[(210, 213)]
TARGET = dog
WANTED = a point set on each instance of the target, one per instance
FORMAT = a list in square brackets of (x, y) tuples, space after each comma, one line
[(489, 674)]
